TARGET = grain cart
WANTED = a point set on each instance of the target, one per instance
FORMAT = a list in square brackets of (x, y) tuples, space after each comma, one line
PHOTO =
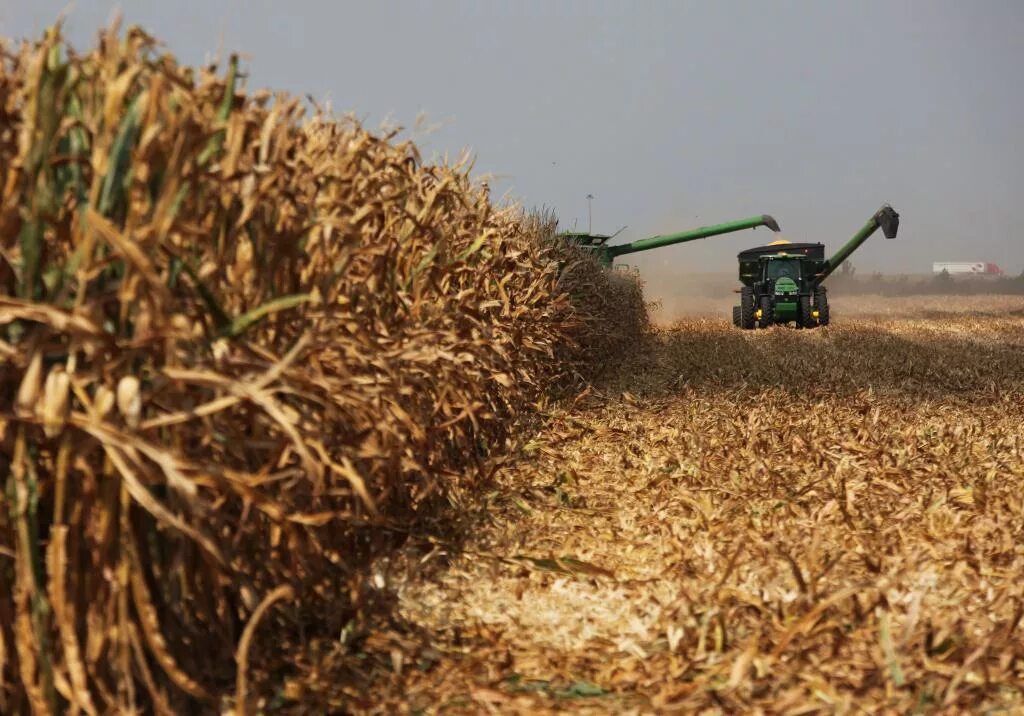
[(782, 281), (598, 243)]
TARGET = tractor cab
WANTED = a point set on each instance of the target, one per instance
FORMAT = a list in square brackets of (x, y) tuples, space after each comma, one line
[(777, 267), (783, 277), (786, 269)]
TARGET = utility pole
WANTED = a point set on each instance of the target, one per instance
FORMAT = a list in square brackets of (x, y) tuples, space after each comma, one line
[(590, 214)]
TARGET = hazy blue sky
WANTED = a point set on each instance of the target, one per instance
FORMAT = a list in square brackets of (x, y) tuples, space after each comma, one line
[(672, 114)]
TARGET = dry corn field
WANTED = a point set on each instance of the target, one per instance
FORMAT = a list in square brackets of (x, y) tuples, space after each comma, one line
[(827, 521), (292, 421)]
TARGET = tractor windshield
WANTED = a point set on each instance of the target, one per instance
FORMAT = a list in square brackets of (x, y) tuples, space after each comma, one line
[(785, 268)]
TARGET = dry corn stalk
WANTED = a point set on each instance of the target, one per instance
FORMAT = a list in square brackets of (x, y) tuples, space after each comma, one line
[(237, 344)]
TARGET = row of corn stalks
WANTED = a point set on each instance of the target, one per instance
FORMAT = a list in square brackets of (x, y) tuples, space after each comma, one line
[(239, 347)]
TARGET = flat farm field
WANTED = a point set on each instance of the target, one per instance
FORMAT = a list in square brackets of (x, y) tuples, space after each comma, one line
[(781, 521)]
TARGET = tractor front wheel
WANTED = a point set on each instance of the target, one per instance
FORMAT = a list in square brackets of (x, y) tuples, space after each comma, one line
[(736, 316), (804, 318), (767, 312), (746, 308), (821, 304)]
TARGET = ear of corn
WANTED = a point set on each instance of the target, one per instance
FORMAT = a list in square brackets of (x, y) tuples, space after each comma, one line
[(240, 348)]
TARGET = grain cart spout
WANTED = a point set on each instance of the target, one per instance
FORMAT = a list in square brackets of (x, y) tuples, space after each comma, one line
[(607, 254), (782, 282), (885, 219)]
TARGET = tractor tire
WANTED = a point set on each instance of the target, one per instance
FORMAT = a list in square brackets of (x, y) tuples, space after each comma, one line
[(746, 308), (767, 312), (804, 319), (736, 316), (821, 303)]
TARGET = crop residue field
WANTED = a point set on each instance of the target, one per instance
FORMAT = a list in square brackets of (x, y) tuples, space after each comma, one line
[(786, 520)]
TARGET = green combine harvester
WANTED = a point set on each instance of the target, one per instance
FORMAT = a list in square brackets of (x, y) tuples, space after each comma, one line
[(782, 281), (598, 243)]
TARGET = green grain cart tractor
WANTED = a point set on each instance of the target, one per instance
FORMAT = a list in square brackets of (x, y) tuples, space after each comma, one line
[(782, 281), (598, 243)]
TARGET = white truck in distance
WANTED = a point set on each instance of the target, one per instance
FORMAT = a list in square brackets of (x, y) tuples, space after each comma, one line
[(966, 267)]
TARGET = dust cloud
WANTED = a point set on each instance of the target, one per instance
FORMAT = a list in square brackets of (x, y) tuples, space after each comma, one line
[(676, 295)]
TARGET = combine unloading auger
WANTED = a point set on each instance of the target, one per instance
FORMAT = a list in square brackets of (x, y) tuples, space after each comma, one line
[(607, 254)]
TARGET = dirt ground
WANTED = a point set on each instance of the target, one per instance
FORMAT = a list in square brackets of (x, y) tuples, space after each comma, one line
[(777, 521)]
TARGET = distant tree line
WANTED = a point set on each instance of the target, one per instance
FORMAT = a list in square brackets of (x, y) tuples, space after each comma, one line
[(848, 281)]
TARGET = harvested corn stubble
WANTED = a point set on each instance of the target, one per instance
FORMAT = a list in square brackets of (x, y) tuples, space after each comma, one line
[(782, 521)]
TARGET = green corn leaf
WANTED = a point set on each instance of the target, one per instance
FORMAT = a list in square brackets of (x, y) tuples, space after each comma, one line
[(114, 181), (220, 318), (247, 319), (28, 530), (45, 193), (216, 142), (79, 145), (31, 240), (891, 659), (421, 267), (473, 248), (229, 94), (173, 272), (581, 690)]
